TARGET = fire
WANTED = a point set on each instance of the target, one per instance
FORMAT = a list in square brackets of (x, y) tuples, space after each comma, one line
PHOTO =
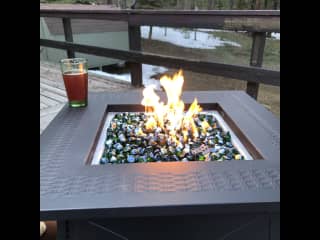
[(150, 98), (171, 116), (151, 123), (173, 88), (205, 125)]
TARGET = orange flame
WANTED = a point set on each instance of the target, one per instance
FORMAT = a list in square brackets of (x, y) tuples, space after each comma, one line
[(170, 117), (204, 125), (151, 123), (150, 98)]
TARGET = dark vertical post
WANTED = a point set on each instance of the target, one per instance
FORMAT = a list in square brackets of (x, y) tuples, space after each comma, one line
[(68, 35), (62, 230), (135, 44), (258, 43)]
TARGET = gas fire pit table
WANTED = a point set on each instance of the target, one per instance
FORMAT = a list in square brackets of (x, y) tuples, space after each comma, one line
[(229, 199)]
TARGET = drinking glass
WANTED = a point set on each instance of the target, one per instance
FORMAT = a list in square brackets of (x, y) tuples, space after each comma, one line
[(75, 77)]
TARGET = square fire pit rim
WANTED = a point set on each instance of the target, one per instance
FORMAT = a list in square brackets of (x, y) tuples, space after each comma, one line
[(239, 138)]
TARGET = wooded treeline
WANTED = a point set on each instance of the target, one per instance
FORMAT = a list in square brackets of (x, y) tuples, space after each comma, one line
[(194, 4)]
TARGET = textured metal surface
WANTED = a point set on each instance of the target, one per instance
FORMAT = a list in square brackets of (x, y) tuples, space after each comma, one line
[(193, 181), (68, 185), (208, 181)]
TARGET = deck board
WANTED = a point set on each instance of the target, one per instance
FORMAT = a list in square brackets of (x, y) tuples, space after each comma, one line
[(52, 91), (48, 101), (52, 95)]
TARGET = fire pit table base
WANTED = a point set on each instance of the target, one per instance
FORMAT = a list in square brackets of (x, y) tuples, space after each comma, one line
[(205, 227)]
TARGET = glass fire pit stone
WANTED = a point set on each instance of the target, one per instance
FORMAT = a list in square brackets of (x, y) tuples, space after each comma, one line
[(127, 141)]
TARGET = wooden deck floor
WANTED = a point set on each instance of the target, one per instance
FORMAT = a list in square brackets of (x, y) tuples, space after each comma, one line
[(53, 95)]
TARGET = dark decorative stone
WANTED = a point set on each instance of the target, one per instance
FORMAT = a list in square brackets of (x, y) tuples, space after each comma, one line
[(103, 160), (131, 159), (127, 141)]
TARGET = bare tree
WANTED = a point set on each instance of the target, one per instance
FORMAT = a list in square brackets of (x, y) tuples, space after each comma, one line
[(150, 33), (188, 4), (102, 2), (180, 4), (117, 3), (241, 4), (210, 4), (257, 4), (231, 3), (253, 4), (193, 4), (123, 4)]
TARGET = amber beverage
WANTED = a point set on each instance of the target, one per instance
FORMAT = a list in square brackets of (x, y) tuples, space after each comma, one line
[(75, 77)]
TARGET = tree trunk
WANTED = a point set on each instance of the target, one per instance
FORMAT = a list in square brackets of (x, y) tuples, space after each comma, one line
[(180, 4), (231, 3), (193, 4), (241, 4), (275, 4), (150, 33), (210, 4), (104, 2), (265, 4), (253, 4), (123, 4), (188, 4), (258, 4)]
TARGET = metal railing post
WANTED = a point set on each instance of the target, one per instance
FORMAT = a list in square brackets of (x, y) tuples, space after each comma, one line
[(68, 34), (135, 44), (257, 50)]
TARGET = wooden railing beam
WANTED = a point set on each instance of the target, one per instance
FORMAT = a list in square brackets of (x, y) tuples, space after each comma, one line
[(247, 73), (253, 21)]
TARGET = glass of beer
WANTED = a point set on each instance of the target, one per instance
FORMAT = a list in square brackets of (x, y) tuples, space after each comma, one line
[(75, 77)]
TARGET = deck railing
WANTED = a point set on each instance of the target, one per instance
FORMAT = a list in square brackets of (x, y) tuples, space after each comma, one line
[(257, 22)]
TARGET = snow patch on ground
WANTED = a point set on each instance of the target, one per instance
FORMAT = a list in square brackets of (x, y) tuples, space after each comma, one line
[(186, 38), (122, 77), (217, 30), (147, 72), (275, 35)]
